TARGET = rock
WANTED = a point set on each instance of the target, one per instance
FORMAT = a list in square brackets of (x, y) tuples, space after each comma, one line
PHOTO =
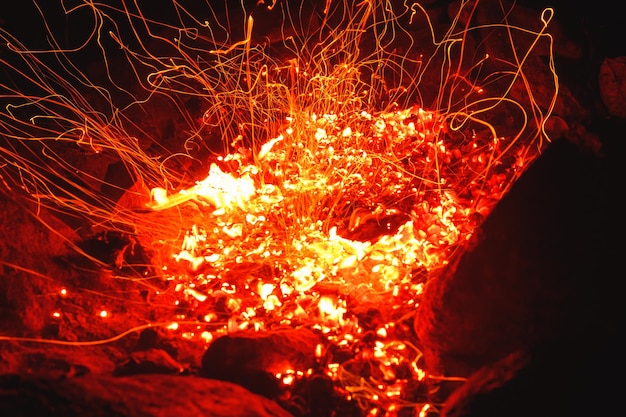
[(150, 361), (483, 383), (541, 268), (516, 14), (117, 181), (560, 378), (185, 354), (612, 84), (32, 240), (132, 396), (56, 360), (252, 359)]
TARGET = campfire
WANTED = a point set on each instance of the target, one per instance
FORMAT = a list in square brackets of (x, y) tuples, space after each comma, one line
[(271, 185)]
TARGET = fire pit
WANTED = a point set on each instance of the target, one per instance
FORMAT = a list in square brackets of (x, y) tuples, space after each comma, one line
[(247, 202)]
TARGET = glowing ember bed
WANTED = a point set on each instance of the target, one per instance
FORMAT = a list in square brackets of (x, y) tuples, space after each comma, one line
[(260, 193)]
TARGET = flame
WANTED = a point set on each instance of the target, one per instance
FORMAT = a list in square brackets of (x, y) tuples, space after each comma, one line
[(219, 189)]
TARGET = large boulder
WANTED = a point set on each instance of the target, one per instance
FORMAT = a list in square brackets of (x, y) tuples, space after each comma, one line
[(252, 359), (131, 396), (541, 272)]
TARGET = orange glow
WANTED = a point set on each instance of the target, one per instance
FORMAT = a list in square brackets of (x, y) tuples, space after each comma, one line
[(207, 337), (312, 181), (424, 410), (319, 350), (219, 189), (288, 379)]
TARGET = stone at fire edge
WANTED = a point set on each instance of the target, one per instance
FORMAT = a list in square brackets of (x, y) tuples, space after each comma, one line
[(531, 314)]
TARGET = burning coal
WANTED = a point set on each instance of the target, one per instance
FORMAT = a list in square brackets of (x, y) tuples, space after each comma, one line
[(312, 174)]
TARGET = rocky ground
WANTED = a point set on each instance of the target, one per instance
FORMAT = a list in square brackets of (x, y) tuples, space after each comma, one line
[(530, 315)]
